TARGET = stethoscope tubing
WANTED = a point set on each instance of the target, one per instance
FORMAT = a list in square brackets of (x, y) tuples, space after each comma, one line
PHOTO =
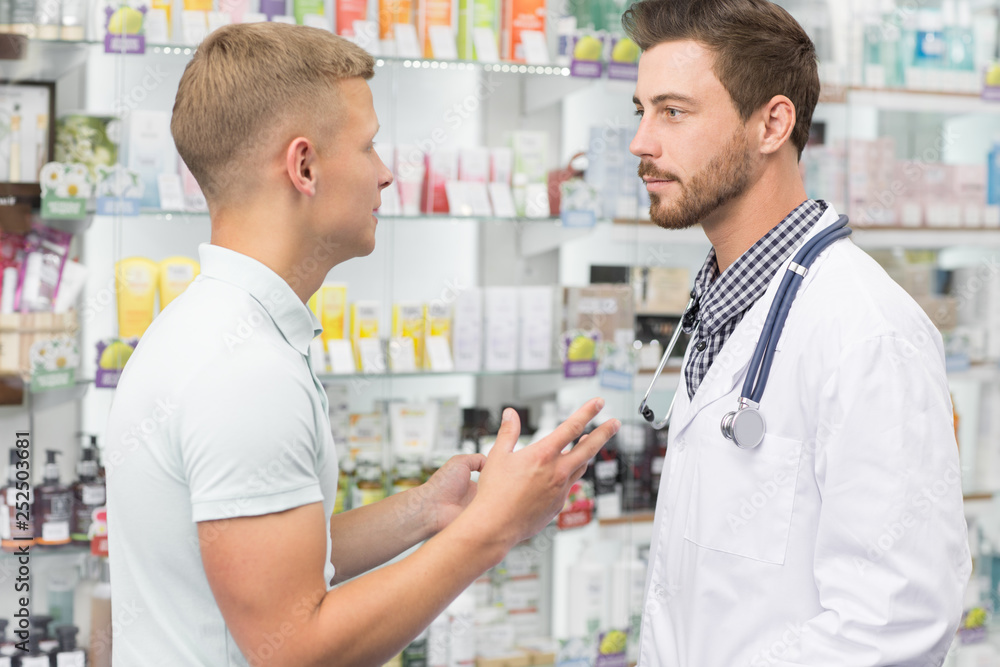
[(774, 323), (760, 362)]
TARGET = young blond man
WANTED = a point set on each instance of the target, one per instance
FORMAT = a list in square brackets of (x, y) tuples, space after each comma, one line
[(223, 542), (840, 538)]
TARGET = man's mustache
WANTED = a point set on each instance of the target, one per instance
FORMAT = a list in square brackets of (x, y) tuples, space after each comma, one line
[(648, 171)]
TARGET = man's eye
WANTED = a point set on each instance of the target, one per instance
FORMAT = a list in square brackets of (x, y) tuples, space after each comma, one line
[(673, 113), (638, 112)]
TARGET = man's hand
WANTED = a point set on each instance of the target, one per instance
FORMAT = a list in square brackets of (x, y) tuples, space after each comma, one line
[(450, 489), (519, 493)]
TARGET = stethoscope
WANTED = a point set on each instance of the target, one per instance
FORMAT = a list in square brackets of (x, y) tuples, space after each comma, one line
[(745, 425)]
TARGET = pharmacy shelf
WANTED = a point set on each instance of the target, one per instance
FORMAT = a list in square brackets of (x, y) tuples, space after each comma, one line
[(952, 103), (52, 48), (866, 237), (420, 375), (66, 551), (23, 59)]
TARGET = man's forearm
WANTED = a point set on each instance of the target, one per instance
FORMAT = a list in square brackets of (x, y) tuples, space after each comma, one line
[(367, 537)]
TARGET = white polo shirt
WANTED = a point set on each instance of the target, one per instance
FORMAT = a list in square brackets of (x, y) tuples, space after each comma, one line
[(218, 414)]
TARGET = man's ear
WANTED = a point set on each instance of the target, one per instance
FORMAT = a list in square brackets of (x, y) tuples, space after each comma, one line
[(778, 121), (300, 165)]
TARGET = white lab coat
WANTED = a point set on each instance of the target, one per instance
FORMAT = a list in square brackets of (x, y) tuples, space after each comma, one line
[(839, 541)]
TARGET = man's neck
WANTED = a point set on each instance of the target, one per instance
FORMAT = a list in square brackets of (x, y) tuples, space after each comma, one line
[(734, 228), (254, 232)]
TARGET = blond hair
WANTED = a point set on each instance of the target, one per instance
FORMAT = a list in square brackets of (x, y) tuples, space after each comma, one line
[(246, 79)]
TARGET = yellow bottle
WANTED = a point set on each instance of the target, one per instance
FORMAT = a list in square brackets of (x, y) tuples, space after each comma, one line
[(332, 305), (176, 273), (136, 280)]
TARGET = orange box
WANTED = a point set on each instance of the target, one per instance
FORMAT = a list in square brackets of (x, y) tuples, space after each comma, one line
[(518, 16)]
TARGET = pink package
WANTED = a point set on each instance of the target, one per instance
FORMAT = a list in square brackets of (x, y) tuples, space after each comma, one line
[(45, 254)]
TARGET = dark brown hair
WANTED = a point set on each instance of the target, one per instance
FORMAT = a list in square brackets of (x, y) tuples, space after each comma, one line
[(246, 79), (760, 50)]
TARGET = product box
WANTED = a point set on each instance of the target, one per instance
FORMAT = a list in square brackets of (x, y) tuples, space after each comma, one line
[(408, 322), (536, 327), (409, 170), (467, 330), (413, 427), (340, 411), (501, 328), (442, 166), (473, 15), (449, 424), (435, 15), (364, 335), (437, 337), (331, 309), (474, 164), (607, 309), (151, 151), (365, 432), (520, 16), (501, 165)]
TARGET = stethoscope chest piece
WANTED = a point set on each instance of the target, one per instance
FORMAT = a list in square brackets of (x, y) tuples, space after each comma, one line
[(745, 426)]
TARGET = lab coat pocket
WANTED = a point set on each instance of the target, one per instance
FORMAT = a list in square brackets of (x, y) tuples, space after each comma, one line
[(741, 500)]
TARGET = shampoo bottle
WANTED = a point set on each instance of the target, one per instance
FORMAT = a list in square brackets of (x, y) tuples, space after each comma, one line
[(40, 630), (35, 656), (628, 587), (53, 505), (136, 280), (462, 620), (88, 492), (176, 273), (69, 655), (587, 596), (100, 620)]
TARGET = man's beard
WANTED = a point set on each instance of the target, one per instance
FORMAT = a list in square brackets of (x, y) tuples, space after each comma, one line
[(726, 177)]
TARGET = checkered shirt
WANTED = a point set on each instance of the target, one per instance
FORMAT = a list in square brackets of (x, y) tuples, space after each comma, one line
[(723, 300)]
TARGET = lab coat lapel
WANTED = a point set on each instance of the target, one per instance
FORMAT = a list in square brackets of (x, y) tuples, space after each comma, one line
[(729, 368)]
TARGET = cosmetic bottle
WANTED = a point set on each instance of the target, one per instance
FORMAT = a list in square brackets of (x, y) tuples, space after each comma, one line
[(88, 492), (35, 657), (40, 628), (18, 527), (53, 505), (7, 648), (15, 146), (68, 655), (100, 620), (59, 593)]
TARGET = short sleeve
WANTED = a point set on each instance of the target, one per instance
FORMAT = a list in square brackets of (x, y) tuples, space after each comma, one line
[(248, 441)]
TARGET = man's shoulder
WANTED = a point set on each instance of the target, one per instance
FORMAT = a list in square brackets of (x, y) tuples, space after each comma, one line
[(852, 294)]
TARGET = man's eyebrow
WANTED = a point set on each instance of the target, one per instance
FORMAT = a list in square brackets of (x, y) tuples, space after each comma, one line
[(666, 97)]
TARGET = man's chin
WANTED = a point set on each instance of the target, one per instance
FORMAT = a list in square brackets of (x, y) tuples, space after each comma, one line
[(670, 219)]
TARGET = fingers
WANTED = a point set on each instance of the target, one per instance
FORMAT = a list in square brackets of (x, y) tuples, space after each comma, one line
[(571, 429), (474, 462), (510, 429), (588, 447)]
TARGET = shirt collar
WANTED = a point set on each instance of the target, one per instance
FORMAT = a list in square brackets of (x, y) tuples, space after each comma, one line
[(722, 297), (296, 322)]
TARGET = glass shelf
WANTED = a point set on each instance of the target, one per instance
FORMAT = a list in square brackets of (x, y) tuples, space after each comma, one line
[(347, 377), (37, 551)]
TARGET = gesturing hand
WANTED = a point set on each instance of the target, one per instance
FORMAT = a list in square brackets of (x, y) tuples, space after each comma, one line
[(519, 493)]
